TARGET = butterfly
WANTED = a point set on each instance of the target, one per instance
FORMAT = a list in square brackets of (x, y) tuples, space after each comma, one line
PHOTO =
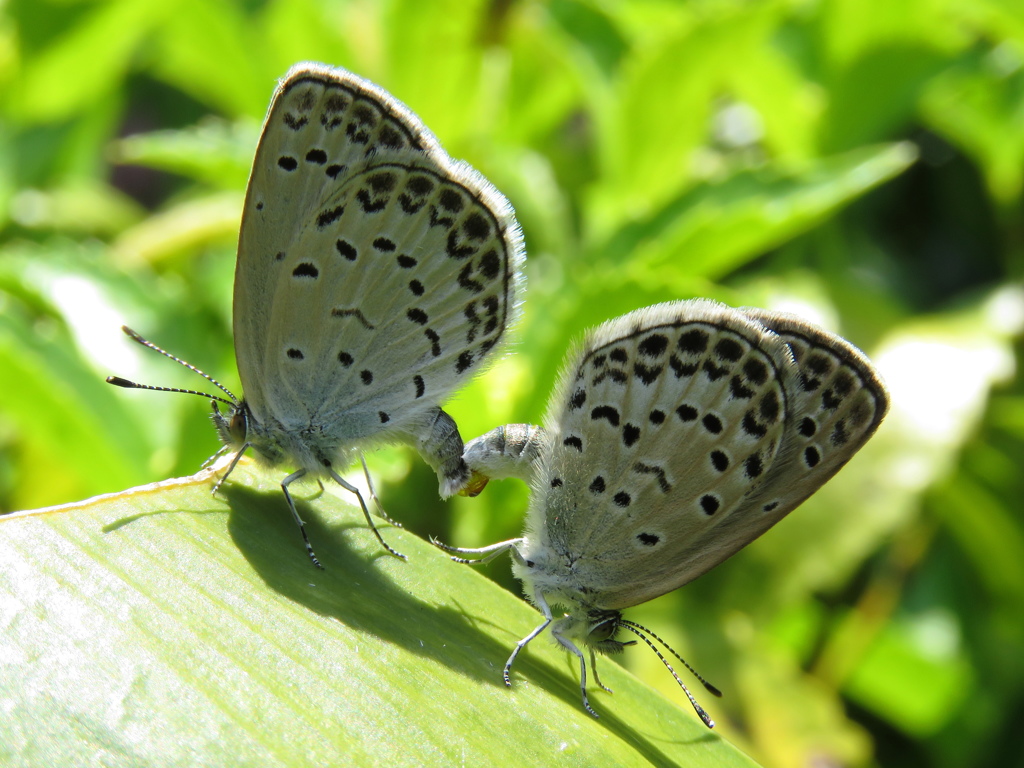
[(375, 275), (677, 434)]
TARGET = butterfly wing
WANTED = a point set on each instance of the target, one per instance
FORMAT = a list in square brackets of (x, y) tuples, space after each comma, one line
[(836, 401), (663, 423), (374, 273)]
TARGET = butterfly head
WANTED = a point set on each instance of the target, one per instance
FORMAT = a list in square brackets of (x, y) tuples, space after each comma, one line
[(601, 628), (233, 426), (594, 628)]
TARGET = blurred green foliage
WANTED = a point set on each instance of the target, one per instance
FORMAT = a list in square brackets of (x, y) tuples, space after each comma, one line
[(858, 161)]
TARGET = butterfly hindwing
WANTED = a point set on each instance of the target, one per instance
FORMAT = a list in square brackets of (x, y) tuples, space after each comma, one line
[(836, 402), (665, 422)]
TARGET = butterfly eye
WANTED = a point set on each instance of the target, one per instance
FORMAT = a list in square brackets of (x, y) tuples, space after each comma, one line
[(603, 627), (238, 426)]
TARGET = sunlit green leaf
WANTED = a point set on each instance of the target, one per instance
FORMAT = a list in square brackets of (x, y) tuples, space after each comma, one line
[(161, 624)]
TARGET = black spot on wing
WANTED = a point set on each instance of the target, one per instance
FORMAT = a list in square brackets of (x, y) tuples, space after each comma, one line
[(840, 436), (421, 186), (611, 373), (653, 346), (681, 369), (630, 434), (710, 503), (693, 342), (770, 407), (712, 423), (755, 371), (490, 264), (329, 216), (648, 375), (306, 270), (753, 466), (738, 390), (435, 341), (812, 456), (819, 364), (346, 249), (389, 137), (658, 472), (451, 200), (370, 204), (719, 460), (714, 372), (356, 313), (752, 426), (476, 227), (729, 349), (838, 391), (579, 397), (686, 413), (606, 412), (466, 281)]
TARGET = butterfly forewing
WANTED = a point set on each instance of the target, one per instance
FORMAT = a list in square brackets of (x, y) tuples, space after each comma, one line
[(357, 223), (666, 421)]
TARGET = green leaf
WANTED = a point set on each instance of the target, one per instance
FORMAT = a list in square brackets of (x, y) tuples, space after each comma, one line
[(165, 626), (594, 30), (979, 107), (214, 152), (714, 229), (87, 63)]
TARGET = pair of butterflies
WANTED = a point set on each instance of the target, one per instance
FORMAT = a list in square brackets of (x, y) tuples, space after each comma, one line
[(375, 276)]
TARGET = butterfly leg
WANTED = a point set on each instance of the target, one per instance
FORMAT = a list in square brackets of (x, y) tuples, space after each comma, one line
[(542, 604), (373, 494), (217, 455), (295, 513), (571, 647), (593, 668), (231, 468), (489, 553), (438, 440), (366, 512)]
